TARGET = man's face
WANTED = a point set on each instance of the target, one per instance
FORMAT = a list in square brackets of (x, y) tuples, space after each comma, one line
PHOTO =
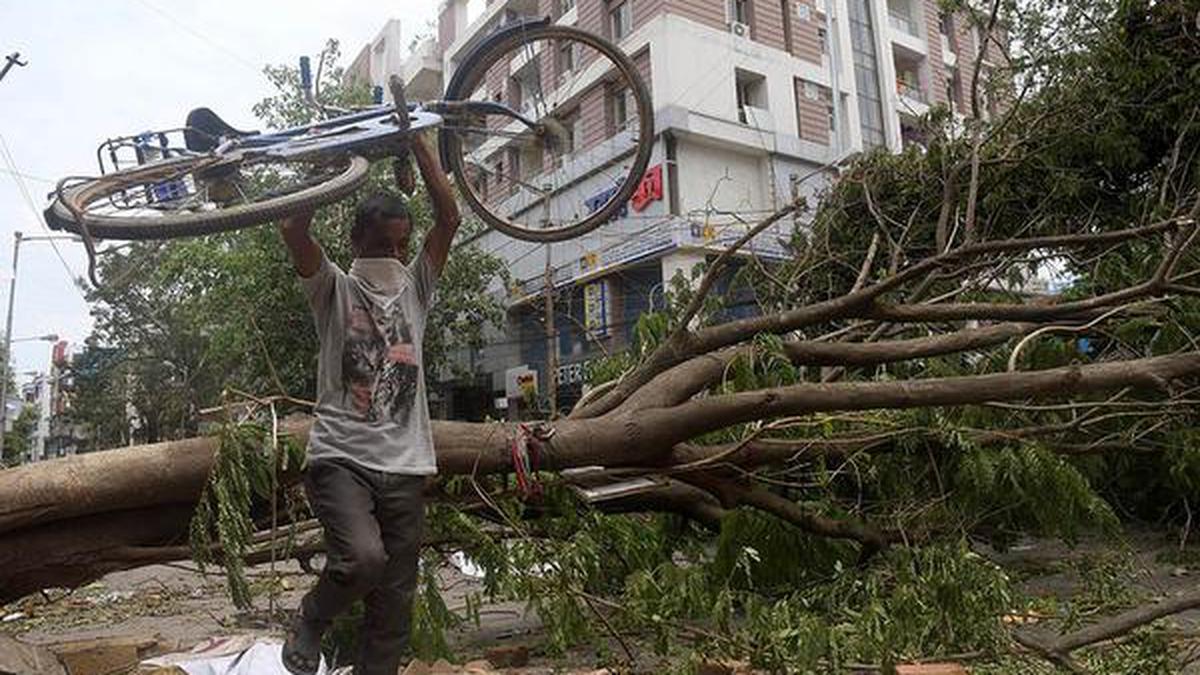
[(388, 238), (398, 231)]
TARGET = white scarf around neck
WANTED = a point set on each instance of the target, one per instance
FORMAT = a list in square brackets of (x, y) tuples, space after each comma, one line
[(381, 276)]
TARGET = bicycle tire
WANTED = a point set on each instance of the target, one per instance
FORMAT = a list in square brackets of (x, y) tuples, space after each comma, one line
[(60, 216), (476, 68)]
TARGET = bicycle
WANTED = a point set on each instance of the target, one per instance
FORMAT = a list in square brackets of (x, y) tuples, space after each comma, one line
[(520, 149)]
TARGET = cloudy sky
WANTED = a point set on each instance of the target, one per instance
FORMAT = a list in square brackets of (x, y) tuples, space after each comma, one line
[(102, 68)]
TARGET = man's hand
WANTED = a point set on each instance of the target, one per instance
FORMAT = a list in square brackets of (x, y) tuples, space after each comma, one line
[(305, 252), (445, 209)]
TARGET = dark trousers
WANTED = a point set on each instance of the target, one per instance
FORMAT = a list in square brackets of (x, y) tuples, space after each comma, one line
[(373, 523)]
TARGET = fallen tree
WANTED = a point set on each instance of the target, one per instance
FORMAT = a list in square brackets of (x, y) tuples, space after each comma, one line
[(911, 377)]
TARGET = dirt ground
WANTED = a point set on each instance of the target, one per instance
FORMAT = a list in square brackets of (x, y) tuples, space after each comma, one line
[(180, 606)]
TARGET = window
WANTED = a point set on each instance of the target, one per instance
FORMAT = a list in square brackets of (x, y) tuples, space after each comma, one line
[(515, 94), (618, 111), (620, 19), (866, 73), (739, 11), (787, 24), (565, 6), (946, 22), (566, 57), (570, 138), (481, 185), (514, 165), (823, 40), (751, 93)]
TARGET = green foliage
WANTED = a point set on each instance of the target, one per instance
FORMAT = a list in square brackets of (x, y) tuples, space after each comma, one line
[(933, 600), (774, 557), (1027, 488), (242, 472), (18, 440)]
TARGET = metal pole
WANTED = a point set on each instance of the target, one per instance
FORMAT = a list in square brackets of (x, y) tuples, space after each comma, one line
[(551, 342), (7, 371), (835, 65)]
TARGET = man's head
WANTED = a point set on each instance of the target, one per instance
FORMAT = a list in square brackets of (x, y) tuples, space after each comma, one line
[(381, 228)]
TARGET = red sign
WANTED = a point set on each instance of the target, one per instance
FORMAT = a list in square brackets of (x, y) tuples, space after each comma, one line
[(650, 189)]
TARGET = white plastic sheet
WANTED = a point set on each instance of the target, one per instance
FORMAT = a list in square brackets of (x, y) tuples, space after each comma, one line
[(238, 655)]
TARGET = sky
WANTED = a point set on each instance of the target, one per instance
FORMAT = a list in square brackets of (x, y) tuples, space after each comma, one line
[(103, 68)]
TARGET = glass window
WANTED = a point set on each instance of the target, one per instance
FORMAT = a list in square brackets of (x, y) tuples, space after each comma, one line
[(866, 74), (566, 57), (740, 11), (618, 108), (620, 19)]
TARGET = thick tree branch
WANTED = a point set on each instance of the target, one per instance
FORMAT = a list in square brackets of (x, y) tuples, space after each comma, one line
[(668, 426), (863, 304), (874, 353)]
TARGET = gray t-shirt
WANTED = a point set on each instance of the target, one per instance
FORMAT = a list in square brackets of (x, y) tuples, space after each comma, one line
[(371, 405)]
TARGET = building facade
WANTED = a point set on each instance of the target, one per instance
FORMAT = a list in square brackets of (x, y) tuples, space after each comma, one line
[(379, 58), (754, 101)]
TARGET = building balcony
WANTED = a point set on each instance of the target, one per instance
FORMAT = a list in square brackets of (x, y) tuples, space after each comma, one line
[(911, 99), (422, 72), (496, 13)]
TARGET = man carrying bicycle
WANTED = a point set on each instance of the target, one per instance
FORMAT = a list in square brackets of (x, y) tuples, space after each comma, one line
[(370, 448)]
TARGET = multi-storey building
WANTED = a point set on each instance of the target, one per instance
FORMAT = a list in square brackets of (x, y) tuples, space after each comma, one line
[(54, 434), (379, 58), (755, 101)]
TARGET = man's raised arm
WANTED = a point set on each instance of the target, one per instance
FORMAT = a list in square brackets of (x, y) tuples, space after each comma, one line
[(305, 252), (445, 209)]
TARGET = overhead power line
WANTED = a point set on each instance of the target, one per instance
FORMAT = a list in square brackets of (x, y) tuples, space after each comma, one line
[(16, 175), (182, 25)]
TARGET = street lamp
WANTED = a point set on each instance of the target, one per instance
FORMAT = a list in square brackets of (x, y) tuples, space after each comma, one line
[(49, 337), (12, 291)]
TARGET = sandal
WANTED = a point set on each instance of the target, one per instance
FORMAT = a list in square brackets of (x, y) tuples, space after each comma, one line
[(301, 653)]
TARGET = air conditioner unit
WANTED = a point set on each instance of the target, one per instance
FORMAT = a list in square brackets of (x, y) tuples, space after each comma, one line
[(739, 29)]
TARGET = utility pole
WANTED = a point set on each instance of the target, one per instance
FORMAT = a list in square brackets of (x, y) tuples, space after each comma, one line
[(13, 59), (551, 342), (7, 372)]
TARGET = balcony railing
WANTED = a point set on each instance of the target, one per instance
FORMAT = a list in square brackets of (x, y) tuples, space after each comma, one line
[(902, 22), (911, 91)]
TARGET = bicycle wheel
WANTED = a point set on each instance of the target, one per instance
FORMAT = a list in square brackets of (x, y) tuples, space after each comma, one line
[(188, 196), (583, 147)]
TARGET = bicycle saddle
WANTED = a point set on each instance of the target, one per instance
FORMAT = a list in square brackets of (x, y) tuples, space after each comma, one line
[(204, 130)]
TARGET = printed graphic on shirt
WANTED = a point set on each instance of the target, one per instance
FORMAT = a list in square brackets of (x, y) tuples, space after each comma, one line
[(379, 362)]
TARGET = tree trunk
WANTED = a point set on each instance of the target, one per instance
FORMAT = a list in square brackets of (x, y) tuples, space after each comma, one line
[(66, 521)]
